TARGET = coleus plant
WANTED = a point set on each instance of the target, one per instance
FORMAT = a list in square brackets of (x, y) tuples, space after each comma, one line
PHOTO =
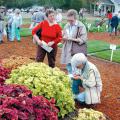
[(14, 61), (17, 103), (4, 74), (43, 80)]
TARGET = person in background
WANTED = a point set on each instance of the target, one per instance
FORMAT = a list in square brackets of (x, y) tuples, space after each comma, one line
[(58, 16), (32, 25), (100, 11), (38, 16), (81, 13), (119, 16), (45, 9), (16, 25), (109, 16), (74, 39), (51, 34), (87, 76), (9, 25), (1, 28), (114, 24)]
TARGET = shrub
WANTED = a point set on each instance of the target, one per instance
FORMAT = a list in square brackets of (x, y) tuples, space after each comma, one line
[(43, 80)]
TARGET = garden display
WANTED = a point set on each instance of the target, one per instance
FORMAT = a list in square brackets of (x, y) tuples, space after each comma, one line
[(15, 61), (17, 103), (4, 74), (90, 114), (110, 99), (43, 80)]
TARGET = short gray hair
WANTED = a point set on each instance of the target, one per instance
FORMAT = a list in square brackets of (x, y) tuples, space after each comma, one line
[(72, 12)]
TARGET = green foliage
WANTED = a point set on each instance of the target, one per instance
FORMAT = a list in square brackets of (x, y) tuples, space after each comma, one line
[(77, 4), (1, 2), (62, 25), (94, 27), (17, 3), (119, 27), (67, 4), (90, 114), (84, 21), (24, 32), (28, 3), (43, 80)]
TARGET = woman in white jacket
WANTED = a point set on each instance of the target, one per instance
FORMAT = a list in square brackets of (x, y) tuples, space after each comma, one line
[(16, 25), (86, 73)]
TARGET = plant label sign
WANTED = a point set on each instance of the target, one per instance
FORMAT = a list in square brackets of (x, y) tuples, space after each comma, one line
[(112, 47)]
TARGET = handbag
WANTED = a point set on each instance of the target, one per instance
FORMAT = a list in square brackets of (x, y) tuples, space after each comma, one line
[(78, 48), (38, 33)]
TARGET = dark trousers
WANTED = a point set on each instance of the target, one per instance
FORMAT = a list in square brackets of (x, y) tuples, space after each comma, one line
[(51, 56), (112, 28)]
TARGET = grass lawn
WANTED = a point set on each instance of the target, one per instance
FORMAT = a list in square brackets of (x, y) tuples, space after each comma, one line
[(97, 46), (26, 21), (25, 32), (107, 54), (102, 50)]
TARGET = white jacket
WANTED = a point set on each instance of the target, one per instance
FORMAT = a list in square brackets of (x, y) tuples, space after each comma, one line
[(92, 83), (17, 20)]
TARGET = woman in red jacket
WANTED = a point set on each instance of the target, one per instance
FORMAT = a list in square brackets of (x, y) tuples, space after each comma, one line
[(51, 34)]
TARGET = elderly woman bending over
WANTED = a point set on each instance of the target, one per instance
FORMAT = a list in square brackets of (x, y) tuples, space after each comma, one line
[(86, 76)]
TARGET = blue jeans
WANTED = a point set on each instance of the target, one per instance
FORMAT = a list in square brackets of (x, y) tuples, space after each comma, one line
[(75, 83), (9, 32), (1, 36), (109, 26)]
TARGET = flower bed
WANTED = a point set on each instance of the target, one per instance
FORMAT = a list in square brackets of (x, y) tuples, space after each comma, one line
[(4, 74), (43, 80), (15, 61), (17, 103)]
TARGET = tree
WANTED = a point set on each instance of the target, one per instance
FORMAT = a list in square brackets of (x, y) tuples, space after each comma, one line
[(1, 2), (67, 4)]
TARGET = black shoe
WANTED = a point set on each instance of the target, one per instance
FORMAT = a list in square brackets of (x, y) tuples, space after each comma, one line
[(79, 102)]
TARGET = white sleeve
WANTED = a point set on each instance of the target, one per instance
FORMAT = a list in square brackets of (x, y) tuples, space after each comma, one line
[(91, 81)]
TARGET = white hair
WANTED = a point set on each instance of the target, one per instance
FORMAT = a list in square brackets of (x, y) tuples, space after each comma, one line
[(78, 59)]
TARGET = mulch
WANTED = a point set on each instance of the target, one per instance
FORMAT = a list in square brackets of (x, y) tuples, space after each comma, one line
[(105, 37)]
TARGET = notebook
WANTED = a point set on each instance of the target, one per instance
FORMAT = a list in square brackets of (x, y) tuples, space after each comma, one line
[(46, 47)]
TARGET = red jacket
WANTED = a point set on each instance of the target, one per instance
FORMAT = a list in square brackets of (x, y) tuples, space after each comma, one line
[(109, 15), (49, 33)]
